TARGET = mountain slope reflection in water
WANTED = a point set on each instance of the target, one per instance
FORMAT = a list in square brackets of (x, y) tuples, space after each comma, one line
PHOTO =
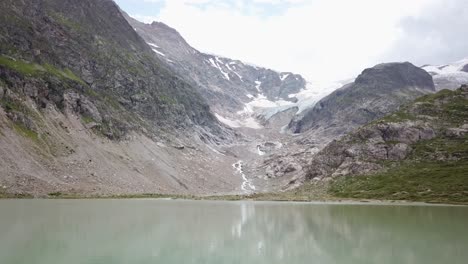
[(157, 231)]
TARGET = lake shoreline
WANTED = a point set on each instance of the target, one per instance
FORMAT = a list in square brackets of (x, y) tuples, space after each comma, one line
[(232, 198)]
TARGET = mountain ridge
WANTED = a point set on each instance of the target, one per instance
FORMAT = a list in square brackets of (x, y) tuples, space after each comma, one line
[(226, 83)]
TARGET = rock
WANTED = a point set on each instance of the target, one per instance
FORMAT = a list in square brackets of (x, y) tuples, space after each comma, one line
[(92, 125), (398, 151), (464, 87), (292, 167), (23, 119), (350, 167), (407, 132), (82, 105), (31, 89), (179, 147), (457, 132)]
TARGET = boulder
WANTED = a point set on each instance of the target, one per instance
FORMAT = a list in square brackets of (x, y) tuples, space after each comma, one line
[(82, 105), (398, 151)]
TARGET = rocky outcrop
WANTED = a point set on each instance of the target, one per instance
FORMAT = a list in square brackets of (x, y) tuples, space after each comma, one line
[(361, 152), (77, 103), (375, 92), (395, 137), (464, 68)]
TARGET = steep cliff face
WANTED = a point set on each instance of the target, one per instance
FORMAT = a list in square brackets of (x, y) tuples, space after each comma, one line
[(88, 48), (88, 107), (227, 84), (418, 153), (375, 92)]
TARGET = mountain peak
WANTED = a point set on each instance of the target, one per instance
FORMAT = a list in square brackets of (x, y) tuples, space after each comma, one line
[(160, 26), (394, 75)]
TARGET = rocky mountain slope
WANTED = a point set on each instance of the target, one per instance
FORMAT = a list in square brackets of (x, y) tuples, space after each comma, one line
[(96, 54), (417, 153), (375, 92), (449, 76), (88, 107), (227, 84)]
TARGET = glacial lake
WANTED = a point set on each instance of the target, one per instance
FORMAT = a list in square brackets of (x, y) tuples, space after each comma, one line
[(205, 232)]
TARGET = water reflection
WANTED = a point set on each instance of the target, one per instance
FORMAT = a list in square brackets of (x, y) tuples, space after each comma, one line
[(148, 231)]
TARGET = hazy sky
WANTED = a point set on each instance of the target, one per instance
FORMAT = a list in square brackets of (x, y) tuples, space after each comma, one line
[(320, 39)]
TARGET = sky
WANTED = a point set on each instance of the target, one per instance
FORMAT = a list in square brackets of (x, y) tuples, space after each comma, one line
[(323, 40)]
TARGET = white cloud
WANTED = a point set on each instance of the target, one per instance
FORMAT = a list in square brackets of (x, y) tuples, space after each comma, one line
[(437, 37), (321, 39)]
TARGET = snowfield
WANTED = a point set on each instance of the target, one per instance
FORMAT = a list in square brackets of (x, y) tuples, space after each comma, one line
[(449, 76), (261, 106)]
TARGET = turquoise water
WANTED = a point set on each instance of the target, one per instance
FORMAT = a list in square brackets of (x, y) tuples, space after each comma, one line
[(159, 231)]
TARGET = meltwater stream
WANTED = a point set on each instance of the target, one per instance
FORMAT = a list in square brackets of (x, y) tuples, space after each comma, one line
[(247, 185), (210, 232)]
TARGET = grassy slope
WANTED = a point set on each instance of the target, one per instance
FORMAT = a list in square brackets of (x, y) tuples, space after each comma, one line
[(435, 171)]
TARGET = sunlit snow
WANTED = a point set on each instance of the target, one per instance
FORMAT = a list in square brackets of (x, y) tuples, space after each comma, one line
[(284, 76), (249, 122), (153, 45), (158, 52), (214, 64)]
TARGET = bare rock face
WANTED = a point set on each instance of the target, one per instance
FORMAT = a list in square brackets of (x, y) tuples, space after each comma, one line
[(465, 68), (376, 92), (458, 132), (82, 105), (283, 166), (361, 151)]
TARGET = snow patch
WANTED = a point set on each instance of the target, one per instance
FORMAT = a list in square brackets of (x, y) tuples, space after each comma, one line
[(257, 85), (259, 151), (233, 71), (447, 68), (158, 52), (218, 60), (249, 122), (284, 76), (153, 45), (306, 98), (449, 76), (261, 105), (214, 64)]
